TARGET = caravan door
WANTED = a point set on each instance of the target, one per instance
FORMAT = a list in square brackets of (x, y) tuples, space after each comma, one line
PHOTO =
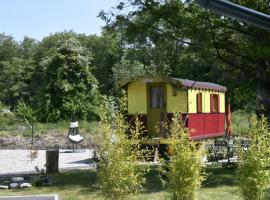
[(156, 103)]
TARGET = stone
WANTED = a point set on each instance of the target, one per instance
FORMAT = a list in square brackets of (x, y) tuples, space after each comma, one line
[(3, 187), (17, 179), (25, 185), (13, 185)]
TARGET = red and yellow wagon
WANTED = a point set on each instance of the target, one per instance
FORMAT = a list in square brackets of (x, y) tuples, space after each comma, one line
[(155, 99)]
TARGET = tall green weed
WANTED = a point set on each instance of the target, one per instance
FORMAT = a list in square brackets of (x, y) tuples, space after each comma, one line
[(185, 165), (253, 162), (120, 175)]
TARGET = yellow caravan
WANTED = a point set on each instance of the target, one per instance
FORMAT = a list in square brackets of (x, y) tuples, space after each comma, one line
[(154, 100)]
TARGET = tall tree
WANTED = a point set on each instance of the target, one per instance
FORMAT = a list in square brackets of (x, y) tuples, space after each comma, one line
[(106, 53), (16, 71), (197, 43), (70, 87)]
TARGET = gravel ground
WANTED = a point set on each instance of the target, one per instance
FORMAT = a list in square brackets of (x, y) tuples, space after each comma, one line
[(20, 162), (43, 142)]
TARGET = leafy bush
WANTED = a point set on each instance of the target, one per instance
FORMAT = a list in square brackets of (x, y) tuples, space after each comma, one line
[(120, 176), (253, 176), (185, 165)]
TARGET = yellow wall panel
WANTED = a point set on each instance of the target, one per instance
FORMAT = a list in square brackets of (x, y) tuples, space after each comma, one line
[(184, 101), (176, 103), (192, 107), (222, 102), (192, 101), (137, 98)]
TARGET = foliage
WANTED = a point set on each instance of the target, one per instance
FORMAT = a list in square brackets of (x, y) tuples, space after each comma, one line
[(185, 165), (5, 115), (106, 52), (71, 87), (16, 72), (120, 175), (126, 70), (26, 112), (197, 44), (253, 162)]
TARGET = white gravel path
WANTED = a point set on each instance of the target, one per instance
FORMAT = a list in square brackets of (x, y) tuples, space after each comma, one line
[(18, 161)]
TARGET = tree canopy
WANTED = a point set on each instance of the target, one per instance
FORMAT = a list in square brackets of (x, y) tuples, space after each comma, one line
[(176, 38)]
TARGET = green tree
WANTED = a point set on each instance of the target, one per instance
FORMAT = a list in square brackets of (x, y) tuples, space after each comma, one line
[(15, 78), (253, 162), (197, 44), (106, 52), (70, 85), (9, 48), (17, 67)]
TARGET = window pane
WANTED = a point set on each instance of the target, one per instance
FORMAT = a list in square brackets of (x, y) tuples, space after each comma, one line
[(156, 97)]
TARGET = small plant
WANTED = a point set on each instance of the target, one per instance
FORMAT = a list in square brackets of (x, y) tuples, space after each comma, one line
[(120, 176), (254, 160), (185, 165), (28, 114), (41, 179)]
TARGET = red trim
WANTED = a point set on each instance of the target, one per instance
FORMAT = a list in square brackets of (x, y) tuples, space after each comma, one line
[(207, 136), (218, 107)]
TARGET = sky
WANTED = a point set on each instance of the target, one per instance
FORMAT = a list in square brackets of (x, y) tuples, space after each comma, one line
[(39, 18)]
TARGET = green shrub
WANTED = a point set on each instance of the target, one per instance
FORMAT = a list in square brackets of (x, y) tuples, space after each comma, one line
[(185, 165), (120, 176), (253, 175)]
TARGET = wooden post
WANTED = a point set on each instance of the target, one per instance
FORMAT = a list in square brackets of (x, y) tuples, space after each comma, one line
[(52, 159)]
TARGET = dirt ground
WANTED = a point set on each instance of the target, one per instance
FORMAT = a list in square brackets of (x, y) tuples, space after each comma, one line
[(43, 142)]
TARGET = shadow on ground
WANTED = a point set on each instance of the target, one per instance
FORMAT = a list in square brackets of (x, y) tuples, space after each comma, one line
[(217, 176)]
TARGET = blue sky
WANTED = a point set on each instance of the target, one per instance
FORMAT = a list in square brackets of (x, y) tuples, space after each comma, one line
[(39, 18)]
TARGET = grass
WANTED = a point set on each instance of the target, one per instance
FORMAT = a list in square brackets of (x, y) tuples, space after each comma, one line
[(221, 184), (240, 122), (61, 127), (240, 125)]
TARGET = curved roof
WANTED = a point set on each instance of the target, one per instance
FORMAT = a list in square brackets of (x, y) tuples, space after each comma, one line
[(178, 82), (200, 85)]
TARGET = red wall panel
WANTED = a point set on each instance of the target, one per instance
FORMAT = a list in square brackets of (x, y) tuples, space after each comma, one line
[(206, 125)]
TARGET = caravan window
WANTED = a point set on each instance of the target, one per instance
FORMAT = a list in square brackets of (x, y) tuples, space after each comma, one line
[(156, 97), (214, 103)]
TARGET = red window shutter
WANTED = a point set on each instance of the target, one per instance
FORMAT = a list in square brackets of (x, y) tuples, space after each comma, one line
[(218, 103), (199, 102), (211, 103)]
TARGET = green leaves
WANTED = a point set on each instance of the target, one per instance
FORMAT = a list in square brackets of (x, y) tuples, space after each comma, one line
[(26, 112), (71, 87), (185, 165), (120, 175), (253, 162)]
